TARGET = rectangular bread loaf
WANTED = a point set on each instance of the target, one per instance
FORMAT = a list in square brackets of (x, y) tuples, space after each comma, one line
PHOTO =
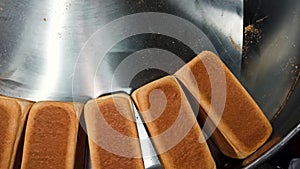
[(13, 114), (51, 135), (239, 126), (173, 127), (112, 133)]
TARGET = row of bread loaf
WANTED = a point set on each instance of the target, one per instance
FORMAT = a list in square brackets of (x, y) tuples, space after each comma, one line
[(54, 137)]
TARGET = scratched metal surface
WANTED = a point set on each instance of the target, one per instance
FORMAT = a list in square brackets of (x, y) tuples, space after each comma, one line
[(59, 49), (47, 52), (40, 41)]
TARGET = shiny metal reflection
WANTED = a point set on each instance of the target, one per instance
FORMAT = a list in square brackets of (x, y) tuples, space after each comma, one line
[(41, 40)]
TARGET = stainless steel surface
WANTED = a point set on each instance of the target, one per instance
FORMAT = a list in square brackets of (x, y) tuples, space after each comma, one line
[(46, 54), (41, 40), (271, 72), (42, 45)]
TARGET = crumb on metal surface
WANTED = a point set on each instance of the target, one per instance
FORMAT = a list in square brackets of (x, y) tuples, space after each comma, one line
[(236, 46), (262, 19), (252, 36)]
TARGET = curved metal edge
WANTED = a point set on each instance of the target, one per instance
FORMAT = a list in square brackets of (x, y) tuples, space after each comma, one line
[(274, 149)]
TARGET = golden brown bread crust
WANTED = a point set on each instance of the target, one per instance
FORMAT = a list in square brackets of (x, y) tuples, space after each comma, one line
[(121, 120), (13, 113), (51, 135), (188, 152), (243, 127)]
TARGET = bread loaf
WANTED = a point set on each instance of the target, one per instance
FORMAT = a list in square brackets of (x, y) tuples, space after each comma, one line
[(112, 132), (51, 135), (13, 114), (172, 125), (243, 127)]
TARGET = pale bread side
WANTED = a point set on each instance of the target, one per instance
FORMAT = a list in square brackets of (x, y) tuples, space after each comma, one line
[(14, 112)]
